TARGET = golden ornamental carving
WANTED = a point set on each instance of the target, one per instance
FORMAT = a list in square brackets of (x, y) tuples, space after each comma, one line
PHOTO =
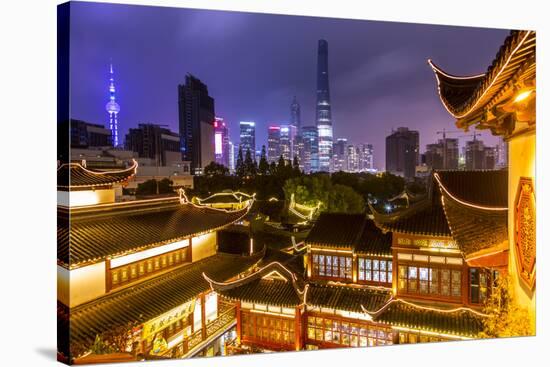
[(525, 231)]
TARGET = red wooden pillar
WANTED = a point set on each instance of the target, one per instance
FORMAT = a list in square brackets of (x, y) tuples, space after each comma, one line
[(203, 316), (395, 273), (465, 286), (354, 267), (239, 321), (309, 264), (190, 250), (298, 339)]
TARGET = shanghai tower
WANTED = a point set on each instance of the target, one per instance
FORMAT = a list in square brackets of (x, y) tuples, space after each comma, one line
[(323, 113)]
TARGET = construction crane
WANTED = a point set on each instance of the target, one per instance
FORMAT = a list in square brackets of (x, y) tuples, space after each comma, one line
[(444, 133)]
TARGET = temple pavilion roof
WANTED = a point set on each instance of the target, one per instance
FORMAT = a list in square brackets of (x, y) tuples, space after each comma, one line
[(468, 98), (480, 187), (470, 206), (346, 298), (349, 231), (152, 298), (229, 197), (373, 241), (460, 322), (107, 230), (476, 208), (424, 218), (273, 284), (77, 176), (337, 230)]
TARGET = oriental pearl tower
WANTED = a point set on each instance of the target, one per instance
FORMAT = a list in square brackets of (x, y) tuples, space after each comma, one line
[(112, 109)]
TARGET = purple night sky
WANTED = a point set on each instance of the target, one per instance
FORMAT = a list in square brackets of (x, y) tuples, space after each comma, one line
[(254, 64)]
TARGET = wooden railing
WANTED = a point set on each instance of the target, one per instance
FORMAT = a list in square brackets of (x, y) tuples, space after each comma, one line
[(226, 318)]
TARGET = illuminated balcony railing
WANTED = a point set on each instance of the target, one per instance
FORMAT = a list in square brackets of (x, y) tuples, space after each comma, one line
[(194, 341)]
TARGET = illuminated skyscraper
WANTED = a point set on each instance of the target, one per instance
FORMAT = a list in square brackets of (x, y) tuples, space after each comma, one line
[(366, 157), (339, 154), (310, 140), (232, 152), (248, 136), (295, 115), (288, 137), (196, 123), (273, 143), (352, 158), (221, 142), (323, 111), (113, 109)]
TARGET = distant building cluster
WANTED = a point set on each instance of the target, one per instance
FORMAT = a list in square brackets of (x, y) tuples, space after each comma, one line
[(403, 156), (204, 137)]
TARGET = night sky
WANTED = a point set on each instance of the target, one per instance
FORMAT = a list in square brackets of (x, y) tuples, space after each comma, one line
[(253, 64)]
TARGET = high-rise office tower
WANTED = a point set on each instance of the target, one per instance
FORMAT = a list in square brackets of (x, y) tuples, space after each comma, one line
[(155, 142), (366, 157), (248, 137), (273, 143), (323, 110), (295, 115), (231, 157), (339, 153), (85, 135), (221, 142), (299, 150), (479, 156), (310, 139), (501, 151), (476, 155), (288, 137), (113, 109), (352, 158), (196, 123), (443, 154), (402, 153)]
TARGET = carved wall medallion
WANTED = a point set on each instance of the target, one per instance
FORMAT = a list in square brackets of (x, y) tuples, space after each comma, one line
[(525, 231)]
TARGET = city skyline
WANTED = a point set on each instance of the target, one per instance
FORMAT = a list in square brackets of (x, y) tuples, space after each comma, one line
[(383, 86)]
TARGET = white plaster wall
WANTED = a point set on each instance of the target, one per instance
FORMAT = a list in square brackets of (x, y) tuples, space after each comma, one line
[(204, 246), (86, 283)]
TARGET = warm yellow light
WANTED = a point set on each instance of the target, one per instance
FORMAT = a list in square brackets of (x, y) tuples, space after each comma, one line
[(523, 95)]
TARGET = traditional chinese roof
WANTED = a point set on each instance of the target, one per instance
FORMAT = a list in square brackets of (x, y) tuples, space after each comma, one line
[(111, 230), (152, 298), (485, 188), (423, 218), (346, 298), (75, 175), (225, 198), (466, 97), (373, 241), (336, 230), (475, 230), (476, 208), (294, 263), (274, 284), (460, 322)]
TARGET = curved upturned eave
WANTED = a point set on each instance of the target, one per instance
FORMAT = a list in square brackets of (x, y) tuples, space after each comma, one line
[(447, 83), (80, 177), (518, 47)]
